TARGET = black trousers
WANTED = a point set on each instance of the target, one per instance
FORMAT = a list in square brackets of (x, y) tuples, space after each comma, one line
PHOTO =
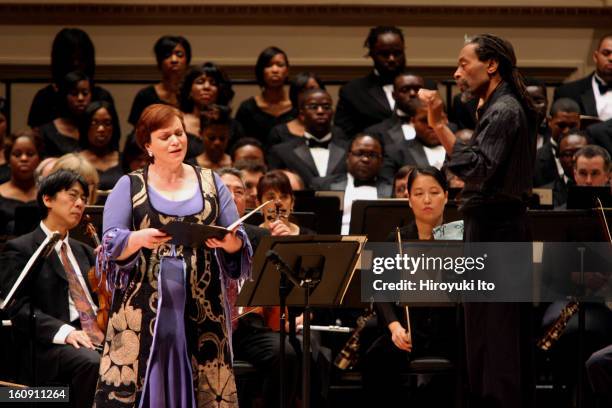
[(77, 368), (499, 350), (262, 349)]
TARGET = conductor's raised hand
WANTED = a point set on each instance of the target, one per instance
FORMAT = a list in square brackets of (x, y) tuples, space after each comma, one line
[(435, 107), (151, 238), (230, 243)]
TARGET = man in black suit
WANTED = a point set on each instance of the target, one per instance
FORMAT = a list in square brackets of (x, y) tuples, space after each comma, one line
[(594, 92), (422, 151), (568, 146), (362, 180), (601, 134), (322, 150), (58, 292), (564, 117), (398, 127), (366, 101)]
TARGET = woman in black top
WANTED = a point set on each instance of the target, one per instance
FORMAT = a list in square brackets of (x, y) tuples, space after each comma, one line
[(72, 50), (22, 151), (389, 354), (100, 143), (61, 135), (206, 91), (259, 114), (295, 128), (173, 55)]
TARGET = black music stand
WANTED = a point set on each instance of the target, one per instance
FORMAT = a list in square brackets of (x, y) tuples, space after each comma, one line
[(301, 271)]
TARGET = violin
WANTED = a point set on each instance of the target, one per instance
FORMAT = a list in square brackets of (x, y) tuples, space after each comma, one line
[(99, 287)]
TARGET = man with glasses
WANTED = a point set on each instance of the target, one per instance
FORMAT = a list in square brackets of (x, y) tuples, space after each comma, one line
[(362, 180), (58, 291), (322, 150)]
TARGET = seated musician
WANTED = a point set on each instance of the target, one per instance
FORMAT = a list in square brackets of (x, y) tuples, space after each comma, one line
[(58, 292), (389, 354)]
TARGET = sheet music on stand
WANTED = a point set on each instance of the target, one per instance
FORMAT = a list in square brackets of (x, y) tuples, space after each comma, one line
[(43, 250)]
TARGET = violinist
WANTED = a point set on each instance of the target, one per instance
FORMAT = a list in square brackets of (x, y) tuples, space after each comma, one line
[(66, 331), (389, 355)]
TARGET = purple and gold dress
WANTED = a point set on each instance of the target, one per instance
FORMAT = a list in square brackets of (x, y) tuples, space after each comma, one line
[(168, 342)]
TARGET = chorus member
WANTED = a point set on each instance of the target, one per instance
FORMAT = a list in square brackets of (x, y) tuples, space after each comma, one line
[(206, 91), (62, 134), (568, 146), (539, 95), (592, 166), (564, 117), (173, 55), (251, 172), (5, 171), (399, 128), (422, 151), (259, 114), (390, 353), (497, 168), (169, 334), (215, 134), (295, 128), (22, 152), (594, 92), (322, 150), (100, 142), (366, 101), (72, 50), (362, 180), (133, 156), (59, 292), (248, 148), (601, 134)]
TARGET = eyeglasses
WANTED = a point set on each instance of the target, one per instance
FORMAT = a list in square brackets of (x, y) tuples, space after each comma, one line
[(314, 106), (362, 154), (74, 196), (104, 123)]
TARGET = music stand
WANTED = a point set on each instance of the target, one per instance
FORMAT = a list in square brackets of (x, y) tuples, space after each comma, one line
[(301, 271), (583, 197)]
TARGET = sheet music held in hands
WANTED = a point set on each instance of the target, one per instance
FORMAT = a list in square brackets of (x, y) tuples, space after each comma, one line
[(194, 235)]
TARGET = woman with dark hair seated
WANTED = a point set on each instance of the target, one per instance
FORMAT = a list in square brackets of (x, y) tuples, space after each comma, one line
[(206, 91), (389, 354), (133, 157), (100, 142), (62, 134), (295, 128), (72, 50), (173, 55), (22, 152), (259, 114)]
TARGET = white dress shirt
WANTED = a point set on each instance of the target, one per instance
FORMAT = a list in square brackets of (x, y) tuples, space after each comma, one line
[(62, 333), (435, 156), (603, 103), (352, 193), (407, 128), (320, 155)]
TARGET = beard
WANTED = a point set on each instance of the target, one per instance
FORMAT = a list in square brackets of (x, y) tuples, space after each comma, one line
[(467, 96)]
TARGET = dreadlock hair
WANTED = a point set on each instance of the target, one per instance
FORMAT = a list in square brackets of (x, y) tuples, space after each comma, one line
[(490, 47), (370, 41)]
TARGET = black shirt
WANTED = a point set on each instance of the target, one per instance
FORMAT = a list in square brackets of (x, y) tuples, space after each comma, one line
[(497, 163), (281, 133), (145, 97), (45, 104), (56, 144), (257, 123)]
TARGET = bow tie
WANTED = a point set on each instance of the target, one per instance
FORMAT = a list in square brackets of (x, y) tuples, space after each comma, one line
[(603, 87), (361, 183), (312, 143)]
